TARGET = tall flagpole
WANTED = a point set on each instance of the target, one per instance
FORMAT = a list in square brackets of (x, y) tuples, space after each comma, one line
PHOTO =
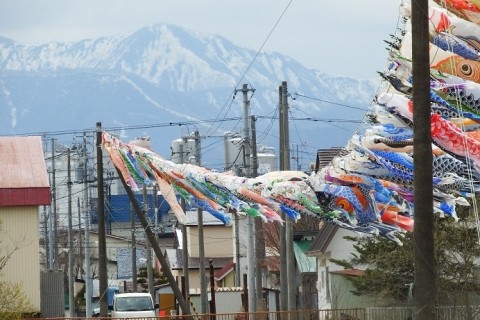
[(425, 270)]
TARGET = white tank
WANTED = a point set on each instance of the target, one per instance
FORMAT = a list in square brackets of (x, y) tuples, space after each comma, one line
[(233, 153), (177, 150), (183, 151), (267, 160)]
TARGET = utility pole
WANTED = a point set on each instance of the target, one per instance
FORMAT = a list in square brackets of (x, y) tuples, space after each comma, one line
[(201, 244), (297, 158), (80, 246), (425, 288), (155, 208), (47, 229), (186, 278), (246, 131), (102, 246), (259, 238), (253, 120), (291, 274), (213, 306), (236, 230), (284, 128), (50, 236), (250, 231), (71, 280), (134, 249), (283, 165), (88, 269), (155, 212), (54, 209), (201, 253), (47, 236), (238, 269), (147, 246), (184, 228), (198, 149)]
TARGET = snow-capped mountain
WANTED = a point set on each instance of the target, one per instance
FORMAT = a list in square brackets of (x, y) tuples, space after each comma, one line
[(164, 74)]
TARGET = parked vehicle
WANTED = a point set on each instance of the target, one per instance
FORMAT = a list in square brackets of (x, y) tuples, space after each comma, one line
[(133, 305), (111, 291)]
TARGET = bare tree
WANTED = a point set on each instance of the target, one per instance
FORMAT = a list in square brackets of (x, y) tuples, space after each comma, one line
[(13, 302)]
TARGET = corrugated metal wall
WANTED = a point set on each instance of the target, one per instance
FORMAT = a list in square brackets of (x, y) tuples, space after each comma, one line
[(20, 231), (218, 240), (53, 299)]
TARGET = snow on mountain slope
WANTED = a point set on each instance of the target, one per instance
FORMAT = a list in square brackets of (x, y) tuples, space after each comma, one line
[(166, 74)]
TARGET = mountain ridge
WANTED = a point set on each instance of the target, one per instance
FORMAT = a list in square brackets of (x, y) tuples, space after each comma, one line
[(164, 72)]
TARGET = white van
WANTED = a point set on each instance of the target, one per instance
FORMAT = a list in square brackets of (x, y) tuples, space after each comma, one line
[(133, 305)]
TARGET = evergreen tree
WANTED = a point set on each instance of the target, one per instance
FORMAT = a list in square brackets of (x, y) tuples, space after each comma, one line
[(389, 268), (142, 278)]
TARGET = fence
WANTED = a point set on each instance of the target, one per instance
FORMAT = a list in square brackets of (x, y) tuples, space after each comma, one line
[(333, 314), (391, 313), (442, 313)]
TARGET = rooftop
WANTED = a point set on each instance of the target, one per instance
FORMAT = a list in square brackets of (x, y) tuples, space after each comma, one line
[(23, 178)]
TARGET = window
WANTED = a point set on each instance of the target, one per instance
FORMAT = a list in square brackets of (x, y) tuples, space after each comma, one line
[(133, 304)]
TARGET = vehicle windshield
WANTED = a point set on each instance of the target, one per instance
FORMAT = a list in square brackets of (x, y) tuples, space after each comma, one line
[(133, 304)]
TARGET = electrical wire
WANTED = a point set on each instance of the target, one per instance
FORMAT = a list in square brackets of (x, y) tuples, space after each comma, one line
[(252, 62), (326, 101)]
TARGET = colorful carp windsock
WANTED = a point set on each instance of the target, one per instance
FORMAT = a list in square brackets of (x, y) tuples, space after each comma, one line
[(369, 187)]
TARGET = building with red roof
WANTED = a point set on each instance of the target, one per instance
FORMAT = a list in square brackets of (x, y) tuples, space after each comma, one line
[(24, 186)]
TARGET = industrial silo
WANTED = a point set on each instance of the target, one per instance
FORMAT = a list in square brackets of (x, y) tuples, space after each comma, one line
[(183, 151), (267, 160), (233, 153)]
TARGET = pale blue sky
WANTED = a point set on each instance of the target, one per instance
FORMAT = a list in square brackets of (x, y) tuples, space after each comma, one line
[(337, 37)]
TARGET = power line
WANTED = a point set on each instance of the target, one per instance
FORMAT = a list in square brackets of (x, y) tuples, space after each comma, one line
[(253, 60), (132, 127), (265, 133), (295, 94), (262, 137), (264, 42), (314, 119)]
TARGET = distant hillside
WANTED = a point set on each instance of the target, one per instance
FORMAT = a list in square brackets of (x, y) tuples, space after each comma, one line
[(165, 74)]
